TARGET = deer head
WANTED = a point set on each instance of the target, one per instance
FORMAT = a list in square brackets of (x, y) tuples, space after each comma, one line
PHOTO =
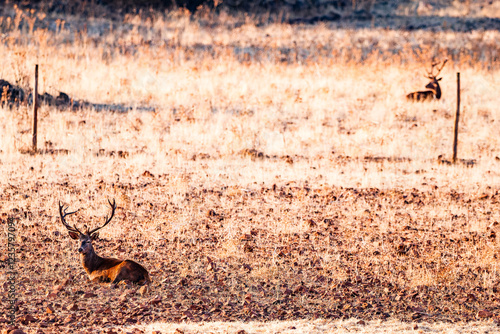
[(88, 236), (433, 84)]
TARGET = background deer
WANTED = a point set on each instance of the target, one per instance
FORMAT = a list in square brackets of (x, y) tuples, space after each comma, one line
[(434, 91), (102, 269)]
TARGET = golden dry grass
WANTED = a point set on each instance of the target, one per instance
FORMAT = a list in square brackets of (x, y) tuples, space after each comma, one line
[(299, 136)]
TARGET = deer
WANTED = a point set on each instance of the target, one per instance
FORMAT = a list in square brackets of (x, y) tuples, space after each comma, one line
[(103, 269), (434, 91)]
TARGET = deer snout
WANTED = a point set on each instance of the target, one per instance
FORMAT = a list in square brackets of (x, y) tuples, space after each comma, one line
[(80, 250)]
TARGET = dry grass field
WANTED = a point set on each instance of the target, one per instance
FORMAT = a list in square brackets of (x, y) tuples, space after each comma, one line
[(283, 176)]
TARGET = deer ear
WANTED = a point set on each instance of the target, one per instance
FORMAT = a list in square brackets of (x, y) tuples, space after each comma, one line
[(94, 236), (73, 235)]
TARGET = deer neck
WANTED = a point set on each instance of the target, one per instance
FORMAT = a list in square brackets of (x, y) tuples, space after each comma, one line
[(438, 91), (434, 87), (91, 261)]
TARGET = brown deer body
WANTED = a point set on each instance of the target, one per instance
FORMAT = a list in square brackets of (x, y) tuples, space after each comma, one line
[(102, 269), (434, 90)]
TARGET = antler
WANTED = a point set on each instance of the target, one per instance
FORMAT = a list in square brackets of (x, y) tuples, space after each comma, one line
[(430, 74), (63, 212), (113, 208)]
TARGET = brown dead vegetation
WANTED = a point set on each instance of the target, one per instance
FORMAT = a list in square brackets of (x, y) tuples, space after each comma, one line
[(268, 253)]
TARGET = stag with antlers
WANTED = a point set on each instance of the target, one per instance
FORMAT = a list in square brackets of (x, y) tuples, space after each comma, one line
[(101, 269), (434, 91)]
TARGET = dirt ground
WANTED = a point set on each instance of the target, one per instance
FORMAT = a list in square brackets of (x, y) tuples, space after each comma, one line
[(282, 252)]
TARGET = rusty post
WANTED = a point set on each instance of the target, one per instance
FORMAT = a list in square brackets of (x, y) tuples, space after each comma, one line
[(455, 138), (35, 109)]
